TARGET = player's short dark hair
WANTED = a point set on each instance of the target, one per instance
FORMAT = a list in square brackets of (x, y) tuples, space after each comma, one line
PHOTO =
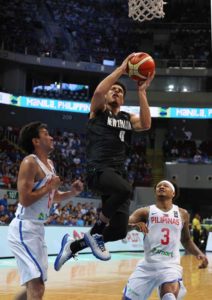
[(122, 86), (177, 190), (29, 132)]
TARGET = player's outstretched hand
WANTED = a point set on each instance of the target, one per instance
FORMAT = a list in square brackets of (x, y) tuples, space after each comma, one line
[(77, 187), (123, 66), (144, 84), (140, 226), (204, 260)]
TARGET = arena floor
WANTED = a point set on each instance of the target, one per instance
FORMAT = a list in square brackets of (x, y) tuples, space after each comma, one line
[(89, 279)]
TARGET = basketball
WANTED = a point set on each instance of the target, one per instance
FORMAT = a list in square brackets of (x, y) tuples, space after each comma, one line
[(140, 65)]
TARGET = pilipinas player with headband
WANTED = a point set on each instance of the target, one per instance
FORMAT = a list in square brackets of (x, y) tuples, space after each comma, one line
[(38, 188), (165, 226), (108, 136)]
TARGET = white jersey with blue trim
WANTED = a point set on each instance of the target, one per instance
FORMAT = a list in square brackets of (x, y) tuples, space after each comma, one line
[(39, 210), (162, 242)]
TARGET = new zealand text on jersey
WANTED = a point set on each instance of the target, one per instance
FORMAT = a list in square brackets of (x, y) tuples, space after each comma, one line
[(165, 220), (124, 124)]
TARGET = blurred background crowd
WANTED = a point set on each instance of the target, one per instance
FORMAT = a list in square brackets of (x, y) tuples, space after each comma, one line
[(59, 28)]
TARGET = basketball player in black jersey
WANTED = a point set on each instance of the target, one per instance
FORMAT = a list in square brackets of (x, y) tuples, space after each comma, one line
[(108, 136)]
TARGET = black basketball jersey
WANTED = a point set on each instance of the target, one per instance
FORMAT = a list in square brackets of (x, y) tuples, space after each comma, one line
[(108, 138)]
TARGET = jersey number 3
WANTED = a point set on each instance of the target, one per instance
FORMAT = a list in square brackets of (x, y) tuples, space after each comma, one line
[(165, 240)]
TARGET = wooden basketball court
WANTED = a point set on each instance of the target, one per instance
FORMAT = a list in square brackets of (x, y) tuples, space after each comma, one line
[(90, 279)]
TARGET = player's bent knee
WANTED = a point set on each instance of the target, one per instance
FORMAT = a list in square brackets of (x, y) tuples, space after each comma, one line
[(168, 296)]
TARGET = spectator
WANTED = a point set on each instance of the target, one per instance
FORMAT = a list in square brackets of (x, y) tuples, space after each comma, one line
[(197, 157), (4, 200), (4, 215), (196, 226), (174, 151)]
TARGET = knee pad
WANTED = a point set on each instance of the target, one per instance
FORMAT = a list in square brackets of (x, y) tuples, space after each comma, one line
[(168, 296)]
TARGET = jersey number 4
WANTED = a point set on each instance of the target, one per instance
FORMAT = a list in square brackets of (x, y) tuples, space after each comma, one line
[(121, 135), (165, 240)]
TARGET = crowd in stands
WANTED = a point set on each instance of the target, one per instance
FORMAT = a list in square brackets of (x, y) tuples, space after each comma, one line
[(139, 170), (19, 26), (69, 159), (96, 30), (187, 149), (7, 212), (70, 163), (10, 159), (62, 91), (81, 214)]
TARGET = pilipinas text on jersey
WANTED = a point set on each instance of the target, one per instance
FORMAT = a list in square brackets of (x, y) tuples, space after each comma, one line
[(163, 238)]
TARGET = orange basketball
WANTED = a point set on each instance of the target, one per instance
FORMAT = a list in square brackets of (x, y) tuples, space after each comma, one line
[(140, 65)]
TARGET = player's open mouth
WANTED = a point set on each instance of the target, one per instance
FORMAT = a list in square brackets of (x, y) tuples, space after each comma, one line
[(115, 95)]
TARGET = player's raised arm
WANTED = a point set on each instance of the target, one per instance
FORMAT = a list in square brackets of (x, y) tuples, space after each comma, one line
[(143, 121), (187, 242), (98, 99)]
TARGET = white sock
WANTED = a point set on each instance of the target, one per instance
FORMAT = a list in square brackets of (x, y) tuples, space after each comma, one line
[(168, 296)]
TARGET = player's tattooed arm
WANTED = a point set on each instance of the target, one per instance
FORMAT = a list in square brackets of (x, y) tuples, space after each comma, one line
[(187, 242), (138, 219)]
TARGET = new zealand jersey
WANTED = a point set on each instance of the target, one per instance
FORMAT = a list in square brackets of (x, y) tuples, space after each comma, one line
[(108, 137), (162, 242)]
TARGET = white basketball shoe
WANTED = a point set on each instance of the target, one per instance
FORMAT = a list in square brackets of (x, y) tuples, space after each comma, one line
[(65, 252), (96, 243)]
